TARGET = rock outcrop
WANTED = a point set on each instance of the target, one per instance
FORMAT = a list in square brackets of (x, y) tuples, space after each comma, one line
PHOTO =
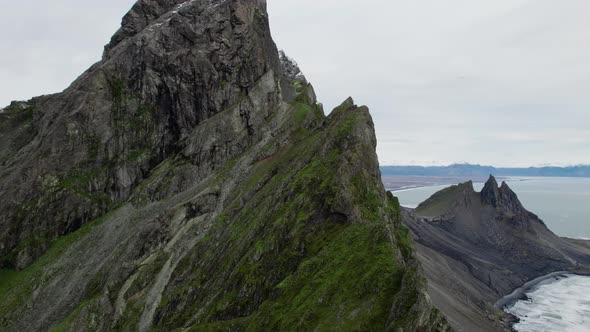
[(172, 66), (478, 247), (191, 181)]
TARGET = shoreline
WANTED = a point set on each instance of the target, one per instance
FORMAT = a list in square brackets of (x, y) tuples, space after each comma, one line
[(394, 189), (410, 188), (449, 181), (521, 292), (396, 183)]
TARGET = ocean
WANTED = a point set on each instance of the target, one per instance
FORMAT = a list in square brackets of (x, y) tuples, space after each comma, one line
[(555, 305), (562, 203), (561, 304)]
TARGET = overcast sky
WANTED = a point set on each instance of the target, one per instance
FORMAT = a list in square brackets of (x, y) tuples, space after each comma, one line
[(497, 82)]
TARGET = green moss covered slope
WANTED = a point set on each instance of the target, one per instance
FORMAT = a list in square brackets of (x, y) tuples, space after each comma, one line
[(308, 243)]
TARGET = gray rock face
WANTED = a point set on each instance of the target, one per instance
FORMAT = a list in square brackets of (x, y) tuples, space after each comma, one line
[(70, 157), (292, 70), (503, 199), (490, 193)]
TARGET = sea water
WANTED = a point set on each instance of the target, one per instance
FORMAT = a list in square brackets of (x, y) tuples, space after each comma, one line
[(562, 305), (562, 203)]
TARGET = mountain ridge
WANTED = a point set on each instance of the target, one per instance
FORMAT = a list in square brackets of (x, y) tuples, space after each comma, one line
[(478, 247), (190, 180)]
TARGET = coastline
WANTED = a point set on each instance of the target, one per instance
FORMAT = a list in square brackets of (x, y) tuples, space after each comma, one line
[(395, 183), (505, 314), (520, 292), (410, 188), (507, 303), (398, 183), (410, 182), (567, 219)]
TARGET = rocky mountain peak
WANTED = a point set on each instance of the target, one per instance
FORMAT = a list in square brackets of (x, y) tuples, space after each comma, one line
[(447, 200), (148, 18), (172, 66), (291, 69), (490, 192), (502, 198), (139, 17), (347, 104)]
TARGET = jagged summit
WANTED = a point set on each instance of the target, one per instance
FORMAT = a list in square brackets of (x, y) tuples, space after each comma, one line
[(347, 103), (490, 192), (291, 68), (148, 16), (501, 198)]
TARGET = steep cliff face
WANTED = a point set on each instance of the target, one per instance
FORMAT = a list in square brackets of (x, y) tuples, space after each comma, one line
[(478, 247), (71, 157), (505, 201), (190, 180)]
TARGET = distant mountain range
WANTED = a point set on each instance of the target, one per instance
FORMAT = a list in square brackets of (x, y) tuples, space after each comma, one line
[(462, 170)]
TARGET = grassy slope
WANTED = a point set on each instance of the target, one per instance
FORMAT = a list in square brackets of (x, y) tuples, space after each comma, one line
[(17, 286), (281, 257), (440, 202)]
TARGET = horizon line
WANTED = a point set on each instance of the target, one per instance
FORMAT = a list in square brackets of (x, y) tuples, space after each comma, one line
[(486, 166)]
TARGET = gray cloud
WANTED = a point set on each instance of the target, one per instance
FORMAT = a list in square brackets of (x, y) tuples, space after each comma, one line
[(493, 82), (47, 44), (496, 82)]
